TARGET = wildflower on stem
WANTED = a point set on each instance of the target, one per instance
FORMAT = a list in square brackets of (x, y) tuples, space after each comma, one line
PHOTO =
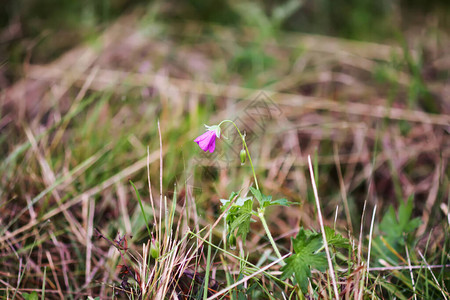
[(242, 214), (207, 141)]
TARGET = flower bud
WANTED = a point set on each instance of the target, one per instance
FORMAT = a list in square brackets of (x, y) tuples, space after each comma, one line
[(243, 155)]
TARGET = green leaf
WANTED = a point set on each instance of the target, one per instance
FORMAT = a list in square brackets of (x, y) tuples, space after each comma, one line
[(32, 296), (282, 201), (226, 201), (389, 224), (397, 231), (300, 264), (239, 202), (265, 201), (239, 217), (335, 239), (395, 228), (257, 194)]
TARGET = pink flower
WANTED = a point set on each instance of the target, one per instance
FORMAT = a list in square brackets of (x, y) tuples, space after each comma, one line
[(207, 141)]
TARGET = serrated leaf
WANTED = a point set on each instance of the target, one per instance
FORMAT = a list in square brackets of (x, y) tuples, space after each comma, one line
[(335, 239), (226, 201), (32, 296), (240, 201), (257, 194), (240, 219), (395, 227), (282, 201), (265, 201), (304, 258), (404, 217), (389, 222)]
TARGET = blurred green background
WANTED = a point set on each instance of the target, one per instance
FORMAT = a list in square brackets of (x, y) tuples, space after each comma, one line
[(384, 101), (50, 27)]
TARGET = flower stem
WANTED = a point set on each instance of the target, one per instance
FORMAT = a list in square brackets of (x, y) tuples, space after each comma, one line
[(246, 149), (269, 235), (260, 210)]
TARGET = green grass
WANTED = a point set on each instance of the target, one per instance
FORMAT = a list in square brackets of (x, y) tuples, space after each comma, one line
[(104, 193)]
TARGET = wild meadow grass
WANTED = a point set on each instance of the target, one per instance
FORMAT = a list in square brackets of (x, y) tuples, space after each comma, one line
[(329, 180)]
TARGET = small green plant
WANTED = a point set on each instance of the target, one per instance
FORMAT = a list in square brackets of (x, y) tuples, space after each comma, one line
[(398, 231), (239, 212), (306, 247)]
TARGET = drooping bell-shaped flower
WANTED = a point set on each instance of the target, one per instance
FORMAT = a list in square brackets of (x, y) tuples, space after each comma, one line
[(207, 141)]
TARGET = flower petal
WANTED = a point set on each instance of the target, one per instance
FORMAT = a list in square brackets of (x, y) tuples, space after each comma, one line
[(207, 141), (212, 144), (202, 137)]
